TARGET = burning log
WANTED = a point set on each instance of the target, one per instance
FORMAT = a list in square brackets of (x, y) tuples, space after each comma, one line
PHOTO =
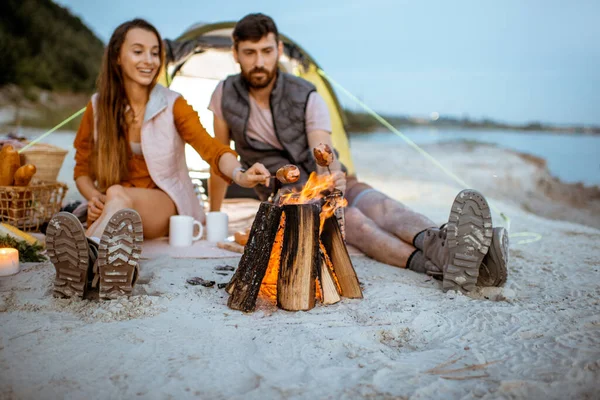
[(295, 253), (245, 284), (300, 257), (340, 259)]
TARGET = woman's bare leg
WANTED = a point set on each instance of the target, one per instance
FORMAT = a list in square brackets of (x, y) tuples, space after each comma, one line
[(364, 234), (154, 206), (393, 216)]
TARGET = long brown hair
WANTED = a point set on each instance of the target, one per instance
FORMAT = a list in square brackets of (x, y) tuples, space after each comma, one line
[(109, 159)]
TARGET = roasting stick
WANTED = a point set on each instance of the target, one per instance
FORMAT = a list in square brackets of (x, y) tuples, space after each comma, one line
[(324, 157)]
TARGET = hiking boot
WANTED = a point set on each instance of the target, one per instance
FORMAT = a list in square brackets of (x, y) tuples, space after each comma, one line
[(456, 251), (119, 254), (493, 270), (93, 277), (70, 253)]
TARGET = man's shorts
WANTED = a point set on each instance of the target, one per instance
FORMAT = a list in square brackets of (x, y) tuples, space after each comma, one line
[(355, 190)]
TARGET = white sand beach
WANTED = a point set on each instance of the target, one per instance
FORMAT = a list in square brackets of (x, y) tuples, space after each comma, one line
[(538, 337)]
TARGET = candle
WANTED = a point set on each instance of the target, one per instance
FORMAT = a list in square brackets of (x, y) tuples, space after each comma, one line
[(9, 262)]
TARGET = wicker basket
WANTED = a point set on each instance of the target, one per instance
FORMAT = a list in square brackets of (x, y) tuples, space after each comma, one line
[(29, 207), (48, 160)]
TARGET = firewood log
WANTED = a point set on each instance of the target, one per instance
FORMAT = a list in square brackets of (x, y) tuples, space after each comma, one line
[(300, 258), (332, 240), (245, 283)]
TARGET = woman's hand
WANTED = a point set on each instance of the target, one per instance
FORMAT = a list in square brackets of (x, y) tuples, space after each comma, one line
[(255, 175), (95, 207)]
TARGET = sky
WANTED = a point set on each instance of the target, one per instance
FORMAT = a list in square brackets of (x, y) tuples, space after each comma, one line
[(513, 61)]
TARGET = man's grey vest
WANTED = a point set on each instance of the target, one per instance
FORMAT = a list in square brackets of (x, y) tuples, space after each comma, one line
[(288, 108)]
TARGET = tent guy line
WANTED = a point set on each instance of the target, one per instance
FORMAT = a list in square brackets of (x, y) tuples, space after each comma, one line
[(532, 236), (41, 137)]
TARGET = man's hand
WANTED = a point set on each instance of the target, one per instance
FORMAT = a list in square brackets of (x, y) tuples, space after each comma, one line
[(255, 175), (95, 207), (339, 178)]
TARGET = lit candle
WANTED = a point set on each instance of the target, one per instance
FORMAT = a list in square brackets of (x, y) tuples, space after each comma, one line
[(9, 262)]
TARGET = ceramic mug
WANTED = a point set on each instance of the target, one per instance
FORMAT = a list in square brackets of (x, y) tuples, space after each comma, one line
[(217, 224), (181, 230)]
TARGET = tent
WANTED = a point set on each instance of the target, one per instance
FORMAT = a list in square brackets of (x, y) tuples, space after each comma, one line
[(202, 56)]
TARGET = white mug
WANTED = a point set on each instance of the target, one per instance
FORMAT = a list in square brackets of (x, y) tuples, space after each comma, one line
[(181, 230), (216, 226)]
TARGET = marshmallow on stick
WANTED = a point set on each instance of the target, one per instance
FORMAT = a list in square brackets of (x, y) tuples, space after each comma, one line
[(288, 174), (323, 155)]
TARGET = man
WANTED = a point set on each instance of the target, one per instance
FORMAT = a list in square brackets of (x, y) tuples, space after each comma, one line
[(275, 118)]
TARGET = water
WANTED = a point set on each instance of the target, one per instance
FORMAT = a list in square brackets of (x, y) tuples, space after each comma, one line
[(572, 158)]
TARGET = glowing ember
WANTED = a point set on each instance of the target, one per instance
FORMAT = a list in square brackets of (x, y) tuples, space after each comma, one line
[(268, 288), (318, 291)]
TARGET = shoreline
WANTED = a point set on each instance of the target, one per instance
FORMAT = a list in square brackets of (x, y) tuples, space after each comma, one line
[(492, 129), (500, 174)]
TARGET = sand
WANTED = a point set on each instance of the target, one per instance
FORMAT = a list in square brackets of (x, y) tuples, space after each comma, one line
[(537, 337)]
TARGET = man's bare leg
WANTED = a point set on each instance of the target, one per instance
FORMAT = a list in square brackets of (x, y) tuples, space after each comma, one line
[(392, 216), (364, 234)]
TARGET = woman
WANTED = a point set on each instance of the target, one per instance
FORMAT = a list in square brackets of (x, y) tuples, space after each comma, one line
[(130, 166)]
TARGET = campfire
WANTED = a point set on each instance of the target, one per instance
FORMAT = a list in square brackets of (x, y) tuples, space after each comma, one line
[(296, 254)]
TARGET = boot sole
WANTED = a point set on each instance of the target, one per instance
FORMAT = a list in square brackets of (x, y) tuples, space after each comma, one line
[(119, 254), (469, 235), (68, 251), (494, 270)]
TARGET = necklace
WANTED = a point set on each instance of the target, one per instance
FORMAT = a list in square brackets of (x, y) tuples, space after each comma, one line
[(137, 114)]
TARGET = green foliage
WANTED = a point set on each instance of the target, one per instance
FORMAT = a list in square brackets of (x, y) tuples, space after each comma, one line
[(43, 45), (360, 122), (27, 252)]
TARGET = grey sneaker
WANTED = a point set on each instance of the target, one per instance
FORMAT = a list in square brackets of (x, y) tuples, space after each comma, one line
[(493, 270), (457, 250)]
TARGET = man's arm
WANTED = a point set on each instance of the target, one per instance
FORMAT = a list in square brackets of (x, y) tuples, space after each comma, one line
[(217, 187)]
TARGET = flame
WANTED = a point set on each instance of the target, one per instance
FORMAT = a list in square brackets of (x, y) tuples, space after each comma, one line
[(318, 291), (312, 190), (328, 209), (268, 287)]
